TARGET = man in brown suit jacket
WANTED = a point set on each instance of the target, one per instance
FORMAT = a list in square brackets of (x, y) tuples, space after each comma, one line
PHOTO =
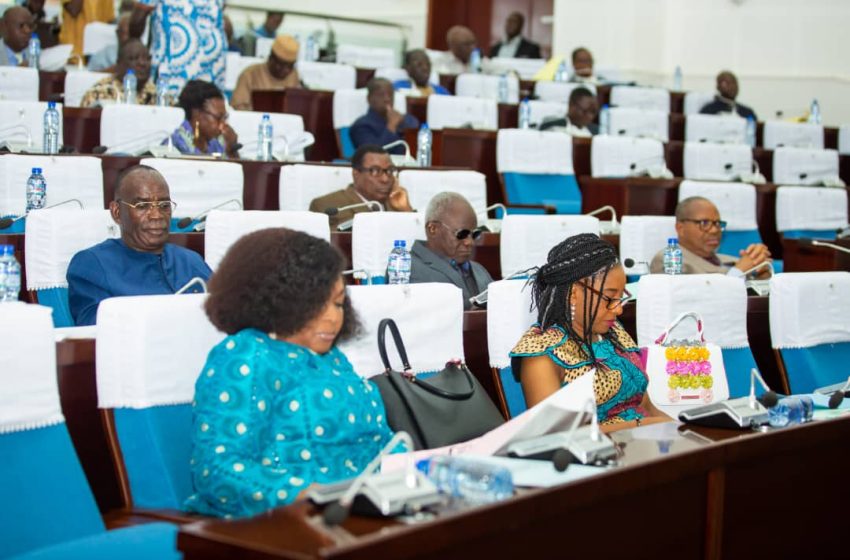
[(700, 229), (374, 179)]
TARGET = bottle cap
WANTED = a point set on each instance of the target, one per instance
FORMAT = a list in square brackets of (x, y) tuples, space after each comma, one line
[(399, 243), (130, 71), (51, 104), (266, 116), (424, 126), (34, 35), (7, 250), (605, 106), (673, 241), (36, 171)]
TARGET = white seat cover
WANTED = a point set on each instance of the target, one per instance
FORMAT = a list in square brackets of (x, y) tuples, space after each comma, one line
[(366, 57), (20, 118), (657, 99), (527, 239), (235, 65), (722, 129), (804, 166), (542, 110), (716, 162), (794, 135), (558, 91), (448, 111), (300, 184), (18, 84), (392, 74), (615, 156), (287, 129), (509, 315), (525, 67), (374, 233), (532, 151), (263, 46), (641, 237), (736, 202), (423, 184), (77, 83), (809, 308), (67, 177), (639, 123), (696, 100), (483, 86), (151, 125), (225, 228), (221, 180), (844, 139), (351, 104), (98, 35), (327, 76), (818, 208)]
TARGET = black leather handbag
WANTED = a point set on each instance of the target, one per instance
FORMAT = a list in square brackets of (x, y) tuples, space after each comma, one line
[(450, 407)]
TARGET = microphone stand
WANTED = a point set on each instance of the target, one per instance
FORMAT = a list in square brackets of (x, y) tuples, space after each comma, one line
[(202, 217), (613, 227), (7, 222), (196, 281), (805, 241)]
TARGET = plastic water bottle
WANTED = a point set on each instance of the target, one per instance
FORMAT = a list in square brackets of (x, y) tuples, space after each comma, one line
[(673, 257), (525, 114), (130, 86), (33, 51), (36, 190), (751, 132), (790, 411), (605, 120), (503, 88), (163, 80), (562, 74), (814, 112), (423, 146), (50, 126), (265, 134), (398, 264), (677, 79), (10, 274), (471, 481), (475, 61), (310, 48)]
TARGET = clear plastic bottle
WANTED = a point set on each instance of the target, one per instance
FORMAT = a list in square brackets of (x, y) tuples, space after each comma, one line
[(472, 481), (310, 49), (36, 190), (503, 88), (525, 114), (163, 81), (605, 120), (475, 61), (398, 264), (51, 129), (791, 410), (677, 79), (751, 131), (673, 257), (562, 74), (814, 112), (265, 136), (10, 274), (34, 52), (130, 85), (423, 146)]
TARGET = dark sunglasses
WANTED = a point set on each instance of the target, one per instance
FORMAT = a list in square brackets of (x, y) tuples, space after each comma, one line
[(461, 234)]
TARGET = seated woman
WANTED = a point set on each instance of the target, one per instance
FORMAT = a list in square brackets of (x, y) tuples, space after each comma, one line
[(278, 407), (205, 130), (579, 293)]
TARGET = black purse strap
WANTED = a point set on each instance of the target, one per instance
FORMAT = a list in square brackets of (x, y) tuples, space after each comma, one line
[(382, 349)]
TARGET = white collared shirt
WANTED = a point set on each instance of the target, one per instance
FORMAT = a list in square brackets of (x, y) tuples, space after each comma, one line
[(509, 48)]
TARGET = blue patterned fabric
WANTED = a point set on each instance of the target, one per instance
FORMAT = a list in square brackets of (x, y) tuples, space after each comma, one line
[(183, 140), (190, 37), (271, 418)]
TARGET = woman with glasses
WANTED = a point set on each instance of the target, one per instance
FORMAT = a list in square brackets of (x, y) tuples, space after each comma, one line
[(205, 130), (579, 294)]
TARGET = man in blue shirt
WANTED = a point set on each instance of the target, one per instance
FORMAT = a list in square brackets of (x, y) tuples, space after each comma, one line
[(382, 124), (418, 67), (268, 30), (17, 22), (141, 262)]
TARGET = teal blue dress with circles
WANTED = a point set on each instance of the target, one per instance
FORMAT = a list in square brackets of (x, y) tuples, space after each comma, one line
[(271, 418)]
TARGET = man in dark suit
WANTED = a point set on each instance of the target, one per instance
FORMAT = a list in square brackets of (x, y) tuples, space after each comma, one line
[(451, 228), (374, 179), (581, 112), (515, 45), (724, 101), (381, 124)]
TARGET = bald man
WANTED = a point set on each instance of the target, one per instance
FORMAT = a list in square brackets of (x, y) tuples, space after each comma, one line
[(17, 28), (461, 42), (725, 100)]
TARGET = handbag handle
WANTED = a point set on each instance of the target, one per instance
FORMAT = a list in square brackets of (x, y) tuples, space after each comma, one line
[(688, 314), (408, 371)]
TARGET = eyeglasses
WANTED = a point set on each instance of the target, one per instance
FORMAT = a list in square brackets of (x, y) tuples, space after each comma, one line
[(461, 234), (389, 172), (610, 303), (705, 225), (219, 118), (164, 206)]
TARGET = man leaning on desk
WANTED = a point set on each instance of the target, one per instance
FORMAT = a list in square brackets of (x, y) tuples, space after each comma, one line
[(700, 231), (374, 179)]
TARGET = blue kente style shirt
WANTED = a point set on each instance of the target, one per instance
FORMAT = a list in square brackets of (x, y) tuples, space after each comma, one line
[(183, 140), (111, 269), (620, 382), (271, 418), (371, 128), (408, 84)]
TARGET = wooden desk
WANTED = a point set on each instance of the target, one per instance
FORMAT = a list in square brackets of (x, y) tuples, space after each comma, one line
[(634, 195), (81, 128), (51, 85), (314, 106), (701, 493), (476, 149), (802, 258)]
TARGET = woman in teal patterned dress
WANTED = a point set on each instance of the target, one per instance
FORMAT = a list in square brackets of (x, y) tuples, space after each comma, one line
[(579, 293), (277, 406)]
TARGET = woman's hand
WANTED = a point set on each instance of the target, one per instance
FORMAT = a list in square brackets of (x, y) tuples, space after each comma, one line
[(230, 141)]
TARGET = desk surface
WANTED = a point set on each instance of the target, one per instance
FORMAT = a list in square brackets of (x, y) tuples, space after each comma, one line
[(680, 492)]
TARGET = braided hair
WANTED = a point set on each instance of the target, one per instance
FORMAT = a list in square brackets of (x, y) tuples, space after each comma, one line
[(574, 259)]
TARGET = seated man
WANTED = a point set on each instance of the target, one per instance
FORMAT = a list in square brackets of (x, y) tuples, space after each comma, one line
[(418, 67), (724, 101), (132, 55), (381, 124), (451, 228), (141, 262), (583, 67), (461, 42), (248, 41), (374, 179), (515, 45), (581, 112), (278, 72), (700, 229), (17, 28), (105, 59)]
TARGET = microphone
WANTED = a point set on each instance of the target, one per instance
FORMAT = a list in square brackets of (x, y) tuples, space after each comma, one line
[(345, 226), (7, 222), (493, 225), (150, 141), (612, 227), (842, 233), (809, 242), (357, 273), (298, 143), (654, 167), (760, 287), (406, 159), (630, 263), (202, 217), (196, 281), (740, 413), (481, 299), (18, 126)]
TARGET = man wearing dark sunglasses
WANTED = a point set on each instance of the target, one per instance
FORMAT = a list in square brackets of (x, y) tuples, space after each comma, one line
[(451, 228), (700, 230)]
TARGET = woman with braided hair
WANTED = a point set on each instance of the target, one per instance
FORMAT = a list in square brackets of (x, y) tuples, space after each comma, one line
[(579, 293)]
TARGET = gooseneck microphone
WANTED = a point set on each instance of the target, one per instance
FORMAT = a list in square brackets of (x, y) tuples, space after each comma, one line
[(809, 242), (6, 222), (202, 217), (372, 204)]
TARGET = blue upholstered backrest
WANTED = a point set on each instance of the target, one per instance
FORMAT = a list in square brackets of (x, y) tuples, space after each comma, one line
[(16, 227), (816, 366), (738, 363), (512, 391), (560, 191), (44, 494), (174, 228), (57, 300), (813, 233), (156, 444), (345, 142), (733, 242)]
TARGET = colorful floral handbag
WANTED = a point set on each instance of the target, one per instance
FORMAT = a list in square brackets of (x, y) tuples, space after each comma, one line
[(685, 371)]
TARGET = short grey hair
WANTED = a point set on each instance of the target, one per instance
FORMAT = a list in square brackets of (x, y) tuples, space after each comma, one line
[(684, 206), (441, 202)]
